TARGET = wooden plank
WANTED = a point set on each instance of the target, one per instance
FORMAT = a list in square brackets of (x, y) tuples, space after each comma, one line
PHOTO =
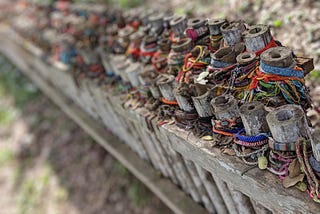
[(265, 188), (172, 196)]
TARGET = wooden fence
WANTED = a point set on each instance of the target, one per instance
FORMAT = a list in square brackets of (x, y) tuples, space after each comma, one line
[(184, 167)]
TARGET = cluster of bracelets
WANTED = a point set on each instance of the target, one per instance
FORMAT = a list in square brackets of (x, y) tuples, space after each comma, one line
[(217, 64)]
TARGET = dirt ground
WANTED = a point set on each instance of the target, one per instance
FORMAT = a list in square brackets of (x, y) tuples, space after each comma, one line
[(49, 165)]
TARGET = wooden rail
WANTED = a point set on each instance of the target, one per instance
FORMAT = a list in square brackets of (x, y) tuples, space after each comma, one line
[(218, 181)]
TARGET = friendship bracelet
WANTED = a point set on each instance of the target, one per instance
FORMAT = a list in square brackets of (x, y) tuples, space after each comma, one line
[(216, 131), (274, 145), (255, 152), (169, 102), (251, 139), (218, 64), (253, 144), (286, 72)]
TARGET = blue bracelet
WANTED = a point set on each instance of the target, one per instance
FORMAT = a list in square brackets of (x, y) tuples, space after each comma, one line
[(217, 64), (251, 139), (286, 72)]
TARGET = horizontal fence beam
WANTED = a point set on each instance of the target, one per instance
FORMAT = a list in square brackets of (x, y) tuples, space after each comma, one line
[(169, 193), (188, 157)]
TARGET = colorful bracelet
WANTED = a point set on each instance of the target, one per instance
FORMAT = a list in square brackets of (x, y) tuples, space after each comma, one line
[(274, 145), (249, 144), (286, 72), (251, 139)]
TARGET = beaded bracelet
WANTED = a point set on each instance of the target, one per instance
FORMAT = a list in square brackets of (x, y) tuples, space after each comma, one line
[(274, 145)]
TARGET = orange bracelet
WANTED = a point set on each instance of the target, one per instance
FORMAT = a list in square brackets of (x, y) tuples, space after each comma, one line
[(168, 101), (222, 132)]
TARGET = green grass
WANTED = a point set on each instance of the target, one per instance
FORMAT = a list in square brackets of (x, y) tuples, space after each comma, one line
[(32, 191), (6, 116), (119, 169), (6, 155), (126, 3), (315, 74), (14, 84), (138, 194)]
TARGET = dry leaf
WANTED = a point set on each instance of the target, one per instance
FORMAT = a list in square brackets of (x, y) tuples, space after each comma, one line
[(247, 151), (302, 186), (207, 138), (262, 162), (229, 151), (171, 122), (294, 168), (289, 182)]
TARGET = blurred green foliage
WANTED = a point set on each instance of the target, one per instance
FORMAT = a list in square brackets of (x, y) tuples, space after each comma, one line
[(124, 4), (6, 155), (119, 169), (32, 191), (314, 75), (277, 23), (14, 84), (128, 3), (138, 193), (6, 116)]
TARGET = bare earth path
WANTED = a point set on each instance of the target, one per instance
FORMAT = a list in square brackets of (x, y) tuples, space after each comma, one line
[(49, 165)]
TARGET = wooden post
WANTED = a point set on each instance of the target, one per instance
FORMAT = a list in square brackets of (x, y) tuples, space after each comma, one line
[(316, 144), (183, 98), (215, 25), (232, 32), (156, 22), (202, 104), (119, 63), (182, 45), (106, 61), (225, 55), (166, 85), (246, 58), (242, 201), (253, 116), (258, 208), (132, 72), (256, 37), (146, 74), (288, 123), (278, 57), (197, 29), (154, 89), (212, 190), (178, 25), (225, 193), (225, 107), (200, 186)]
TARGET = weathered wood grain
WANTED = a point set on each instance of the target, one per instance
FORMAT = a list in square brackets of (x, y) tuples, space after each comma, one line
[(163, 188), (262, 187)]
